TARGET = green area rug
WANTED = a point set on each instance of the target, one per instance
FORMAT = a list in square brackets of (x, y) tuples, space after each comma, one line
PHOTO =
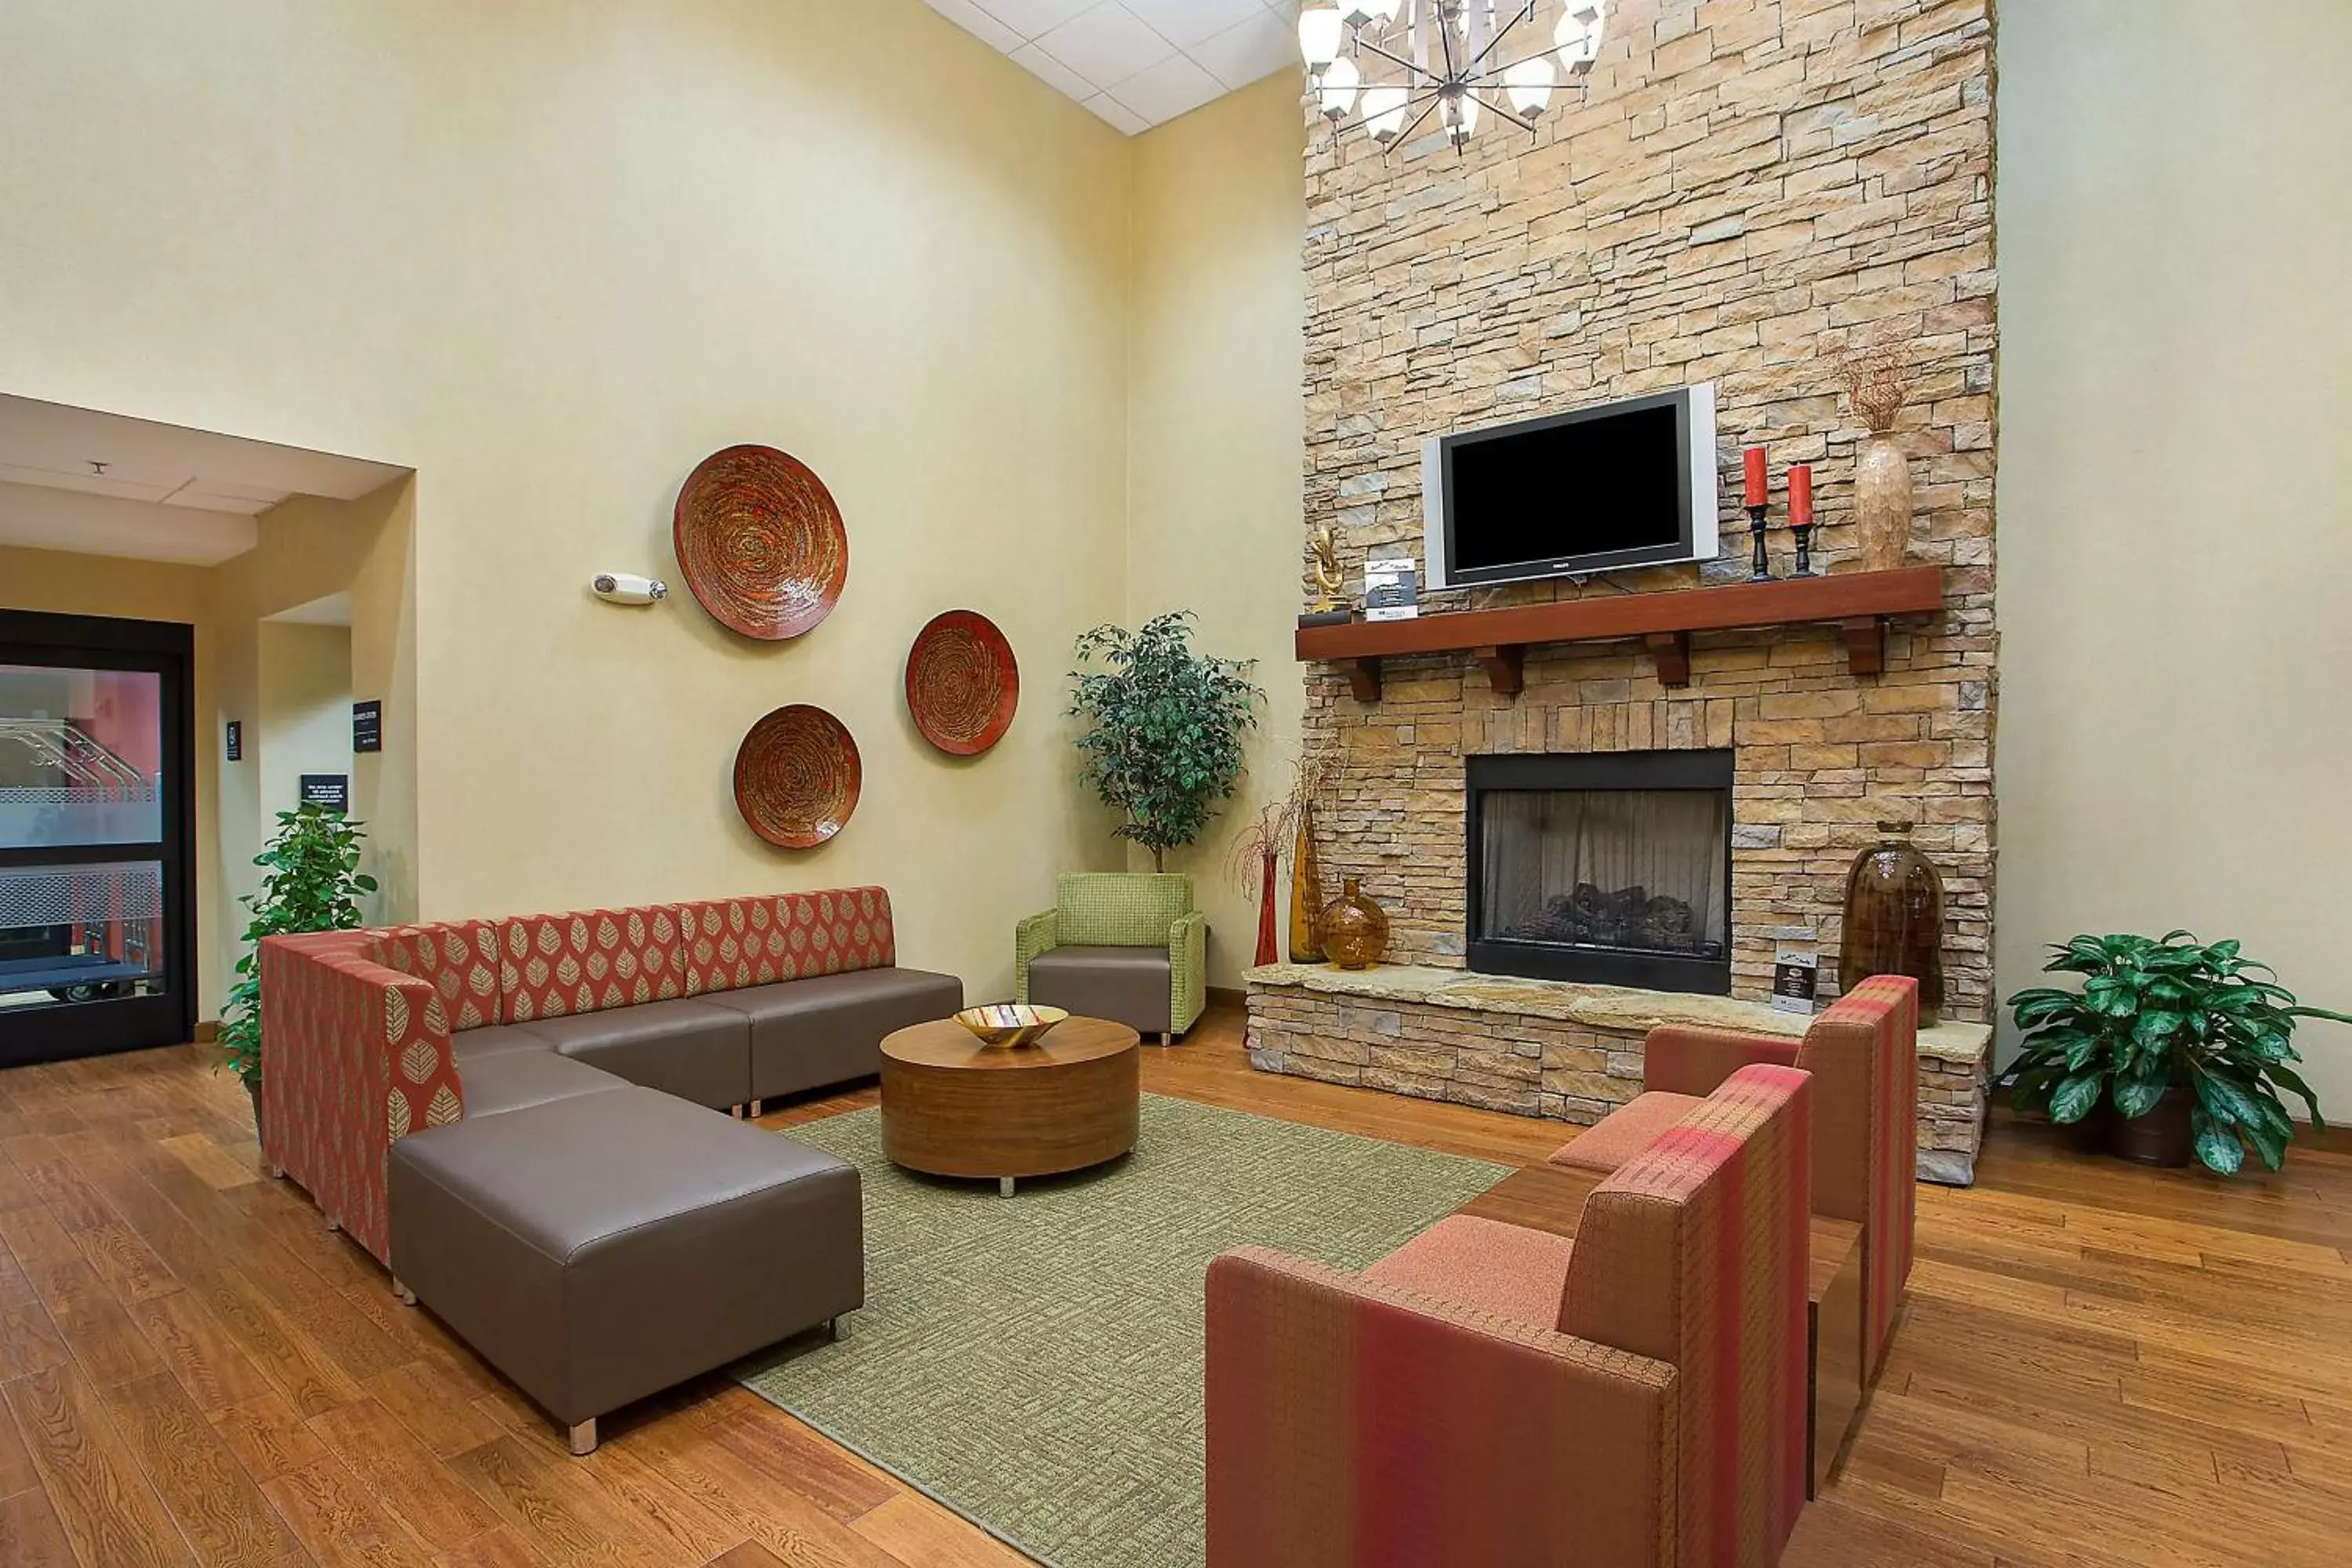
[(1034, 1362)]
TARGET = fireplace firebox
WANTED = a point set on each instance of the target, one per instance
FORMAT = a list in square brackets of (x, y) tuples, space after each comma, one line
[(1608, 867)]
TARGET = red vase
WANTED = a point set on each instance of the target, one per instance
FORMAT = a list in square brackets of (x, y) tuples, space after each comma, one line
[(1267, 951)]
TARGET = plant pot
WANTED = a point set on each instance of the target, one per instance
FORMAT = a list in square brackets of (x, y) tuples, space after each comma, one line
[(1882, 504), (2161, 1138), (253, 1092)]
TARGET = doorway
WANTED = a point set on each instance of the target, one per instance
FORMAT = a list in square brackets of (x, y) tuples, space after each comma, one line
[(97, 830)]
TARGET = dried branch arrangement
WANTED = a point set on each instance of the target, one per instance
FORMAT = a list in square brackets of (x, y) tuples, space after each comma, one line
[(1877, 385)]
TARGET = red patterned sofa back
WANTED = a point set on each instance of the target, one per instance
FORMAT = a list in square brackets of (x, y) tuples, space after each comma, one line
[(459, 959), (1695, 1253), (733, 944), (589, 959)]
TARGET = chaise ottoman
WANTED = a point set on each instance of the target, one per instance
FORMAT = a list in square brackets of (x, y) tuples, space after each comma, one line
[(600, 1248)]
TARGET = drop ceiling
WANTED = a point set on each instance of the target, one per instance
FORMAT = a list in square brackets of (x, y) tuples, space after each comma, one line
[(1138, 63), (105, 484)]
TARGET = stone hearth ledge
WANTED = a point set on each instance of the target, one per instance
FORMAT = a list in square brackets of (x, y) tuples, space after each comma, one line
[(1574, 1052)]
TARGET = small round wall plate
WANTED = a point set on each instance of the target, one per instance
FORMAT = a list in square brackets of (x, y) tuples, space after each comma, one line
[(760, 542), (797, 776), (963, 682)]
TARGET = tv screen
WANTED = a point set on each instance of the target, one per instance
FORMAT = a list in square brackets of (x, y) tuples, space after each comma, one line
[(1626, 484), (1575, 489)]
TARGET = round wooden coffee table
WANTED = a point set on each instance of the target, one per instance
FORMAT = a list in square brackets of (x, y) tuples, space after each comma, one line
[(953, 1106)]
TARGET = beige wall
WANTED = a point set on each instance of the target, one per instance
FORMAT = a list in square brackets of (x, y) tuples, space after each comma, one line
[(306, 710), (310, 548), (549, 254), (1215, 416), (2175, 537)]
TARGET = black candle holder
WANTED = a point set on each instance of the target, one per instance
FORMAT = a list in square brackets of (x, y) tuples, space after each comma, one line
[(1763, 571), (1804, 532)]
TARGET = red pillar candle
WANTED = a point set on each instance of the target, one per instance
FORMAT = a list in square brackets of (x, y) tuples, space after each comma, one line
[(1800, 495), (1755, 476)]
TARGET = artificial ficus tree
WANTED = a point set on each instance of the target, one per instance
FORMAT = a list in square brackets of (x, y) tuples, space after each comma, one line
[(1164, 726)]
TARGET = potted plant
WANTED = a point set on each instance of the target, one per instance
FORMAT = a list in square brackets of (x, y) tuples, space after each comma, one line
[(313, 884), (2188, 1043), (1163, 740)]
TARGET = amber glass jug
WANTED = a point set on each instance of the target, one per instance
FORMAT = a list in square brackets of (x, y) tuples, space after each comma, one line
[(1894, 919), (1354, 929)]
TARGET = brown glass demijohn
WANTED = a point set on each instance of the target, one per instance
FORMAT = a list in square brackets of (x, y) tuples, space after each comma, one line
[(1353, 928), (1894, 919)]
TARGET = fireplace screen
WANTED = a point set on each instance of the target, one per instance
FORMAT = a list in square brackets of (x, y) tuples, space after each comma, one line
[(1577, 877)]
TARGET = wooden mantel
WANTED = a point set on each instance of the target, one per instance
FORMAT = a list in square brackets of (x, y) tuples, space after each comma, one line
[(1858, 603)]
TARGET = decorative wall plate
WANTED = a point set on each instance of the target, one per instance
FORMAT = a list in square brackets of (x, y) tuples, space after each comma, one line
[(760, 542), (796, 776), (962, 683)]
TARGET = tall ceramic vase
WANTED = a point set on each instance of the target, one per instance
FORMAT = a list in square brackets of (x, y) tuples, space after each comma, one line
[(1882, 503), (1306, 892), (1268, 951)]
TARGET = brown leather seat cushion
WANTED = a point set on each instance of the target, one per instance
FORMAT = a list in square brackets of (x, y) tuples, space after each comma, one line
[(1126, 985), (683, 1047), (602, 1247), (829, 1028), (497, 1040), (511, 1081)]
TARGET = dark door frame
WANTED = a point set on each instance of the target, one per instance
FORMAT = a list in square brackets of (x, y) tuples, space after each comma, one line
[(67, 1030)]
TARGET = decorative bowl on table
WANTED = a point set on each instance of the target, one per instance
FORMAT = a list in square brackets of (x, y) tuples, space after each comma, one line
[(1010, 1024)]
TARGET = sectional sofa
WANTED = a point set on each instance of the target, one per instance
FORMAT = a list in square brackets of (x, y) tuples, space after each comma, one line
[(524, 1120)]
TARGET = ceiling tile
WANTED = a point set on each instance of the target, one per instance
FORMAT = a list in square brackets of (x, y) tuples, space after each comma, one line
[(1106, 45), (1030, 17), (1257, 47), (1031, 59), (1110, 111), (1188, 22), (968, 16), (1173, 86), (1092, 51)]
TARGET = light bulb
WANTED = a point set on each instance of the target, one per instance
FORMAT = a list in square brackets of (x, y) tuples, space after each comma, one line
[(1340, 79), (1319, 30), (1385, 112), (1461, 118), (1578, 36), (1528, 82)]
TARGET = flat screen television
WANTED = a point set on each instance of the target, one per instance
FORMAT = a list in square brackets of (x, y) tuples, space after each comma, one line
[(1625, 484)]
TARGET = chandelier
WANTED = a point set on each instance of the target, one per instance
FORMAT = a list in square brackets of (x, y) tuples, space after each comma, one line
[(1444, 57)]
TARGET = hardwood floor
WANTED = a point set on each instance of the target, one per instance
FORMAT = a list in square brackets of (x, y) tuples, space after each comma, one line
[(2100, 1366)]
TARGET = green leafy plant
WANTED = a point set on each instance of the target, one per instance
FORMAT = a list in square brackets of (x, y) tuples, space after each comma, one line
[(2155, 1015), (313, 884), (1163, 741)]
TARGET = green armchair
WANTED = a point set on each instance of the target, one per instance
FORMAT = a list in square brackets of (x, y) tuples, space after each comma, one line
[(1127, 947)]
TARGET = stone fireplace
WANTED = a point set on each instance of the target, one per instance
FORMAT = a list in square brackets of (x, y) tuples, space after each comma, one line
[(1751, 191), (1608, 867)]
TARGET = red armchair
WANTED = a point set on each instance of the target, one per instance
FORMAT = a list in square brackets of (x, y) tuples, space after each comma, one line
[(1862, 1054), (1632, 1398)]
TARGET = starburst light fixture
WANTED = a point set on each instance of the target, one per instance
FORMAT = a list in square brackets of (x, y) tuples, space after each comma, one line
[(1451, 58)]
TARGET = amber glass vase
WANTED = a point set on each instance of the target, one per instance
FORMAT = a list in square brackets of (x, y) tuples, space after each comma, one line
[(1354, 929), (1306, 890), (1894, 919)]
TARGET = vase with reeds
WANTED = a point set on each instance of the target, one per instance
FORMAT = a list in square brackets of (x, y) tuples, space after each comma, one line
[(1878, 386)]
